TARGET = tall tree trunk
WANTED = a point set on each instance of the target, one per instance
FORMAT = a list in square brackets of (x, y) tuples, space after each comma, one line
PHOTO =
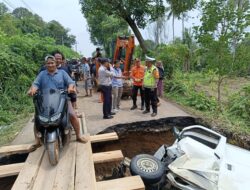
[(183, 28), (173, 27), (157, 32), (220, 80), (137, 33)]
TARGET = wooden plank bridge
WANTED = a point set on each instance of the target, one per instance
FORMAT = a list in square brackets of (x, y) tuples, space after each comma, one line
[(75, 169)]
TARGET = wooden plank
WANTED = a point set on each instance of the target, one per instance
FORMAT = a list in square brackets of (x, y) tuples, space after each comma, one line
[(46, 175), (83, 124), (14, 149), (85, 172), (65, 175), (10, 169), (126, 183), (110, 156), (27, 175), (104, 137)]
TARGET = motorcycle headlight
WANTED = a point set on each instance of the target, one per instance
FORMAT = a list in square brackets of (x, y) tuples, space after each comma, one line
[(43, 119), (55, 117)]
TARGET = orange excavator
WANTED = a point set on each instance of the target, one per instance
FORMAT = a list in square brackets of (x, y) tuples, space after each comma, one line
[(124, 50)]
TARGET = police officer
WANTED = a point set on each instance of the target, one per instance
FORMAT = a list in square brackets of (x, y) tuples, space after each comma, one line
[(105, 85), (150, 80)]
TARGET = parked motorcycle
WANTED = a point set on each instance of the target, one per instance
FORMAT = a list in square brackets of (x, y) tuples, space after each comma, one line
[(52, 123)]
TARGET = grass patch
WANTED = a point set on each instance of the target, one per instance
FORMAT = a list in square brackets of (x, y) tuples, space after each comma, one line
[(197, 92), (9, 132)]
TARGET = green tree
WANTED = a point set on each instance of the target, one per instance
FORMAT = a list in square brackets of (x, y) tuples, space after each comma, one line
[(3, 9), (105, 29), (173, 56), (177, 9), (159, 30), (28, 22), (8, 24), (136, 13), (60, 34), (21, 13), (216, 33)]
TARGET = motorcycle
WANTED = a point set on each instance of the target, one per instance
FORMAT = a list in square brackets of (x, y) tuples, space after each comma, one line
[(52, 125)]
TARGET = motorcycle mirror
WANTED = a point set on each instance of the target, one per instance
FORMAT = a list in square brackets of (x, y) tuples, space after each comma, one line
[(176, 133)]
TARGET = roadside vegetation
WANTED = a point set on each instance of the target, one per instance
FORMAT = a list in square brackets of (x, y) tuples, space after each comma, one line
[(197, 92), (207, 70), (25, 39)]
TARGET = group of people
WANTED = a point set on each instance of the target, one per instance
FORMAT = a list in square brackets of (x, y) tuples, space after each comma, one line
[(57, 74), (148, 80)]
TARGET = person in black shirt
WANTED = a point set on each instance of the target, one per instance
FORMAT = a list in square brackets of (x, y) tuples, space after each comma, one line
[(60, 63), (160, 81), (98, 53)]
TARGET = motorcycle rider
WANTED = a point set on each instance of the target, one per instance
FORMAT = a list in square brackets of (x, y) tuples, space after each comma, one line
[(57, 79), (59, 57)]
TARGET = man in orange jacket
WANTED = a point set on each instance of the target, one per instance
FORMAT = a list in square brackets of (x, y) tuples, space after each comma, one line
[(137, 74)]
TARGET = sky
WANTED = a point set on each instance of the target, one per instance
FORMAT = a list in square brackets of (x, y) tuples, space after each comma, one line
[(68, 13)]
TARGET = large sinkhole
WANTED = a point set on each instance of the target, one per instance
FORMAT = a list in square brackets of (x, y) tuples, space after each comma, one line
[(134, 138), (7, 182), (137, 138), (143, 136)]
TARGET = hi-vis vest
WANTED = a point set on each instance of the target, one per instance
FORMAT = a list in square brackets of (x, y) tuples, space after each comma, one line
[(149, 79)]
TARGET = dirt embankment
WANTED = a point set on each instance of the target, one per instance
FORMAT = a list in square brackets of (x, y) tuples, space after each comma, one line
[(240, 140), (147, 136)]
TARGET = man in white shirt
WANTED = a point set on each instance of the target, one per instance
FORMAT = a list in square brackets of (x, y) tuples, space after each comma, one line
[(105, 85)]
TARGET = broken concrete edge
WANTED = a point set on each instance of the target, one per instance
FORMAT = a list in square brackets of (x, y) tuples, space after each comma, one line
[(158, 125), (165, 124)]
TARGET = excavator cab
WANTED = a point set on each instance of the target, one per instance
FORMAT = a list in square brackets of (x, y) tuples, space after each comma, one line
[(124, 51)]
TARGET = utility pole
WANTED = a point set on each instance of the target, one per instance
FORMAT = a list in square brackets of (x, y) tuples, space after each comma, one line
[(62, 41), (76, 46)]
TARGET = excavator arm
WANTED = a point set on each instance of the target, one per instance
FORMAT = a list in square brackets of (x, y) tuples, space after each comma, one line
[(126, 44)]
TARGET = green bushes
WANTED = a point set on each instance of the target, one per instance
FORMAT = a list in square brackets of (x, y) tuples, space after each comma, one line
[(172, 56), (175, 86), (198, 91), (182, 88), (239, 104), (21, 57), (201, 102)]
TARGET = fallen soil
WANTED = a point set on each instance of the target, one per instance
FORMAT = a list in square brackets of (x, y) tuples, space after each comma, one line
[(147, 136), (143, 137)]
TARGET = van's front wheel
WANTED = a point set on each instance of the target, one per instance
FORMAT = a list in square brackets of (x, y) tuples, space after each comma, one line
[(53, 152)]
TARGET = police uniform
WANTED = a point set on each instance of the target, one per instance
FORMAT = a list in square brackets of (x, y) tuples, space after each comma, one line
[(150, 85)]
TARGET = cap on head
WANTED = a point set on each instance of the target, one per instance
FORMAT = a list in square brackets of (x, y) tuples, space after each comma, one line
[(150, 59), (84, 59), (49, 57), (103, 60)]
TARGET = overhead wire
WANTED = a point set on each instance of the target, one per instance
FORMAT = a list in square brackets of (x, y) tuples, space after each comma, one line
[(27, 6), (9, 4)]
